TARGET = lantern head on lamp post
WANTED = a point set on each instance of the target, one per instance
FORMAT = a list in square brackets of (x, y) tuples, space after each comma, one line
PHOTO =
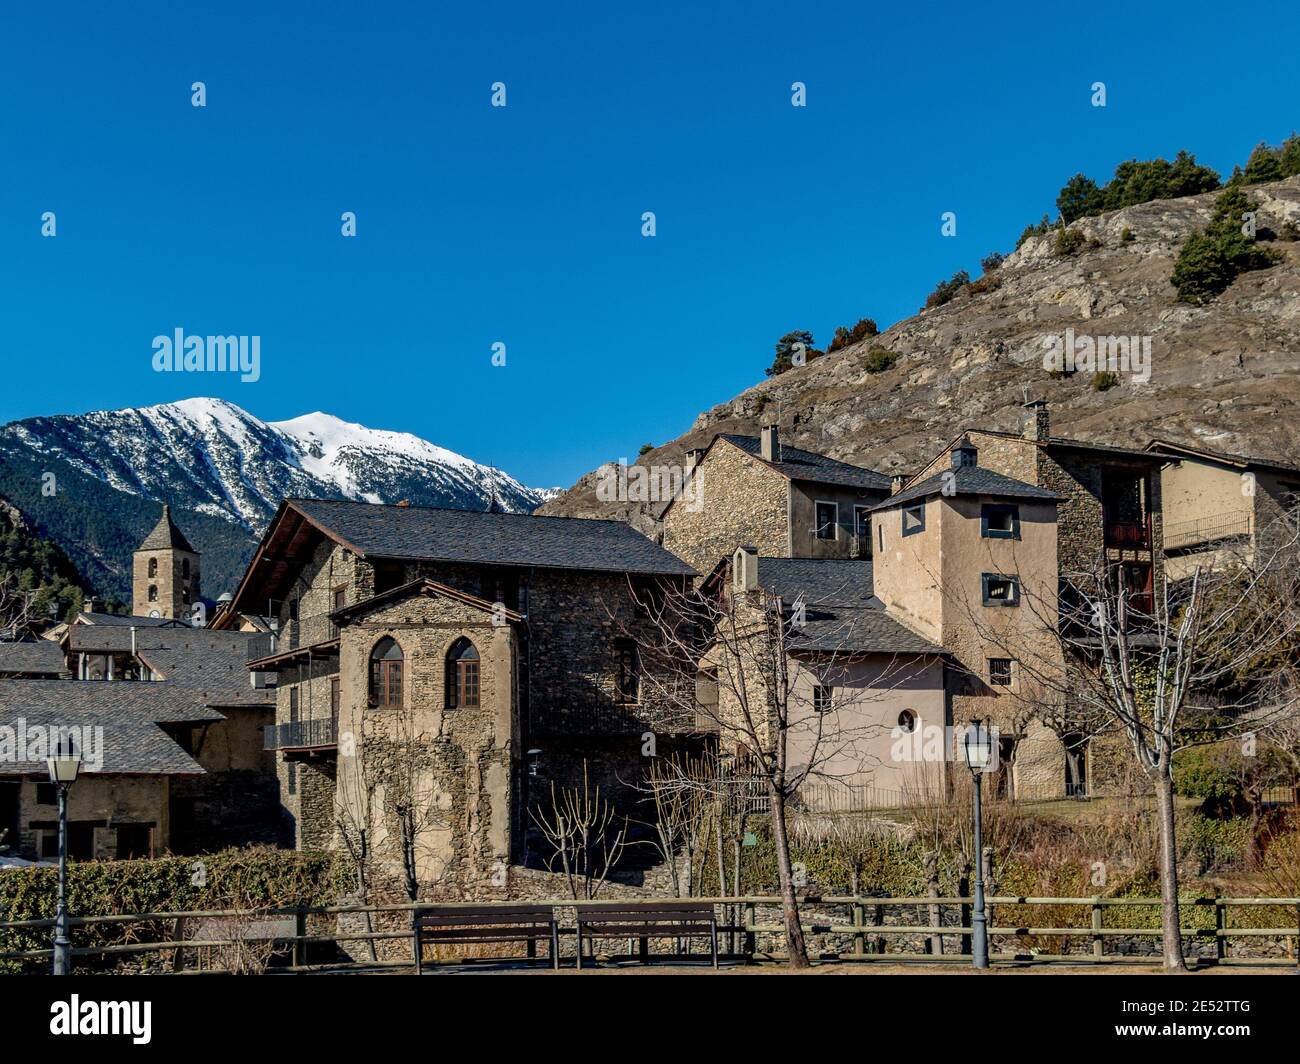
[(63, 766), (979, 758)]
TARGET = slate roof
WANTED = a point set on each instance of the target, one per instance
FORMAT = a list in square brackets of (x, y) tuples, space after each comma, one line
[(126, 621), (42, 656), (201, 669), (810, 466), (1170, 449), (166, 535), (127, 714), (479, 537), (969, 480), (841, 611), (211, 666)]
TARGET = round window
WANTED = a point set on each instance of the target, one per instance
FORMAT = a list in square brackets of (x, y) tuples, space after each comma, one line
[(907, 721)]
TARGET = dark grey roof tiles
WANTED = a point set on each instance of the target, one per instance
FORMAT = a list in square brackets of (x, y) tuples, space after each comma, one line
[(126, 621), (485, 538), (798, 464), (166, 535), (841, 613), (42, 657), (969, 480), (127, 714)]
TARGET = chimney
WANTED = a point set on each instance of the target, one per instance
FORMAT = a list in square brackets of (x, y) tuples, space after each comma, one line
[(770, 444), (693, 456), (1038, 426), (744, 569), (965, 454), (896, 483), (88, 605)]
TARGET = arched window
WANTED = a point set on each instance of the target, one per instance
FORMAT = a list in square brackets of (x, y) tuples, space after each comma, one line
[(153, 567), (462, 675), (386, 674), (153, 594)]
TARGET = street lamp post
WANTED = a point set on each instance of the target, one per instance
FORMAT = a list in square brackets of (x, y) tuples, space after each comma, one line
[(63, 767), (979, 755)]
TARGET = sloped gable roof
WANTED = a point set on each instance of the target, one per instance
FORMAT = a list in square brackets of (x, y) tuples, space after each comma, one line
[(426, 533), (841, 613), (798, 464), (969, 480)]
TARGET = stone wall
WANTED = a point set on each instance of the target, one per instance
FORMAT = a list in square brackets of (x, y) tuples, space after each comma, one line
[(174, 591), (455, 768), (741, 502)]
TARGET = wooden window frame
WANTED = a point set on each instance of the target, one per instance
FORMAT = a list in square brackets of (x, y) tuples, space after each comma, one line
[(818, 524)]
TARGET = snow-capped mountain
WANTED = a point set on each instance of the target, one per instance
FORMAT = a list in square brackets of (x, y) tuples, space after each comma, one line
[(213, 457), (224, 472)]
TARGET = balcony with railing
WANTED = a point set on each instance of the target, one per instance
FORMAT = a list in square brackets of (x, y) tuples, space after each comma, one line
[(309, 633), (319, 734), (1209, 529)]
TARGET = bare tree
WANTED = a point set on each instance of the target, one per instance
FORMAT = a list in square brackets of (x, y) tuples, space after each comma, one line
[(1186, 665), (687, 798), (791, 697), (585, 837)]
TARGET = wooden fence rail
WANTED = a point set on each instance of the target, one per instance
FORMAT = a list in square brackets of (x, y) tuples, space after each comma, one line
[(866, 928)]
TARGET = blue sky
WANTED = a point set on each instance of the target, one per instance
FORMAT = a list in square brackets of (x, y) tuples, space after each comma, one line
[(522, 224)]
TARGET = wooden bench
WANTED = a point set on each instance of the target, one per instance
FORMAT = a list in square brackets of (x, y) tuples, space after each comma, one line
[(442, 924), (646, 919)]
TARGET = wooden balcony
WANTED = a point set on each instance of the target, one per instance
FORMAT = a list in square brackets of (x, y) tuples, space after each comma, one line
[(1128, 535)]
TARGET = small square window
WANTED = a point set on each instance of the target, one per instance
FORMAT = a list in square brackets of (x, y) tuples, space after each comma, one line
[(822, 698), (828, 519), (1000, 521), (913, 519), (47, 794), (1000, 672), (1001, 590)]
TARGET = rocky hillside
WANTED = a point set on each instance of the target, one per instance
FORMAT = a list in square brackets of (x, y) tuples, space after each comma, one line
[(1223, 375)]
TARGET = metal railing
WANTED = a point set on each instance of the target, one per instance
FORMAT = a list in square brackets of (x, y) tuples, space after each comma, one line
[(315, 734), (1208, 529)]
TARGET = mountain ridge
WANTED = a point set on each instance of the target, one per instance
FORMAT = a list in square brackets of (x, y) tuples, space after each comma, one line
[(224, 472), (1223, 374)]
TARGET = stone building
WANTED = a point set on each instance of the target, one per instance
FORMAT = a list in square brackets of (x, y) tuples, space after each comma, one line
[(967, 557), (170, 730), (437, 670), (1110, 496), (786, 502), (856, 681), (165, 577), (1217, 505)]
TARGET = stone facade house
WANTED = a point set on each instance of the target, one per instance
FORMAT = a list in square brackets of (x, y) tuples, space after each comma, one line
[(1217, 505), (456, 664), (166, 718), (859, 694), (786, 502), (1110, 496)]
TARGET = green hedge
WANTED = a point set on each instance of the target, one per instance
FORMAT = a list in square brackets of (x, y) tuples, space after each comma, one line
[(231, 879)]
